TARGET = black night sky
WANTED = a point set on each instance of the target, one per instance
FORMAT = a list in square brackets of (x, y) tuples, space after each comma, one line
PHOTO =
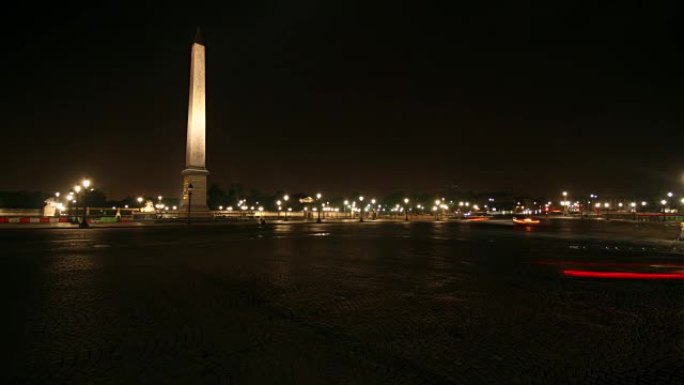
[(529, 97)]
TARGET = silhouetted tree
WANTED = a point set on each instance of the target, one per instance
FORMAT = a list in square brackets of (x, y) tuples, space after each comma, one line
[(23, 199), (97, 198), (216, 197)]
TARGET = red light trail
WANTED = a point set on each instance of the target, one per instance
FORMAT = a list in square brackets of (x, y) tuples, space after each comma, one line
[(621, 275)]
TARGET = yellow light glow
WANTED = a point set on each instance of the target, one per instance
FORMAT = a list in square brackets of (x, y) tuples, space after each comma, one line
[(86, 183), (77, 188)]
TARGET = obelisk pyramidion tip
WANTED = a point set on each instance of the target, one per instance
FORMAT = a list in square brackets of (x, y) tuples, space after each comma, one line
[(198, 37)]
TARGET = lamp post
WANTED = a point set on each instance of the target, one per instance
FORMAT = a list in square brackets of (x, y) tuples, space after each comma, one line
[(77, 189), (285, 198), (318, 197), (84, 223), (361, 208), (189, 202), (406, 201)]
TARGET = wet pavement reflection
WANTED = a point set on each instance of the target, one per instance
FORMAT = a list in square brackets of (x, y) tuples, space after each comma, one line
[(377, 302)]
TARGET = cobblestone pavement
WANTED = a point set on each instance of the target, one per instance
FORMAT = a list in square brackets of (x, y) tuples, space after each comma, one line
[(345, 303)]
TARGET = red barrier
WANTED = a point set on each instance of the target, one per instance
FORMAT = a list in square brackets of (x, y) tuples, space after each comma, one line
[(24, 220), (4, 220)]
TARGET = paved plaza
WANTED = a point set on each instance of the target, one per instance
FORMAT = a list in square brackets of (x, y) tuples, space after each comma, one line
[(340, 303)]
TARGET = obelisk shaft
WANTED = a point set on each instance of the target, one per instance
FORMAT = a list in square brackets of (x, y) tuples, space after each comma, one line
[(195, 173), (195, 150)]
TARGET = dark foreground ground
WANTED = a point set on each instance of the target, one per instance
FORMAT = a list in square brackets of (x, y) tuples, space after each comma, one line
[(345, 303)]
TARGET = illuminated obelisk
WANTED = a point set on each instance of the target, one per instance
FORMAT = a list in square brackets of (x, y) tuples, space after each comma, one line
[(195, 173)]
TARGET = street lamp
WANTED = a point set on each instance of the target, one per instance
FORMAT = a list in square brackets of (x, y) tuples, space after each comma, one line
[(189, 202), (285, 198), (406, 201), (318, 197), (84, 223), (77, 190), (361, 208)]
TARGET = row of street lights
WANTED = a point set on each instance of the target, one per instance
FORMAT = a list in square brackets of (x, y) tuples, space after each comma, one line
[(78, 188)]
